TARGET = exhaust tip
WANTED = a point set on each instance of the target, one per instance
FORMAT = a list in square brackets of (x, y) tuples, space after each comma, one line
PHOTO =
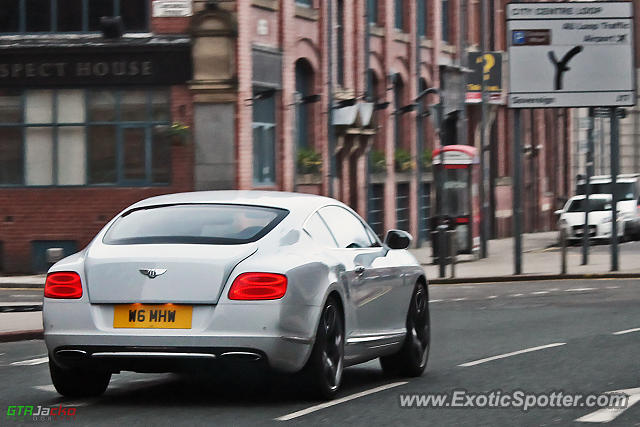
[(241, 355)]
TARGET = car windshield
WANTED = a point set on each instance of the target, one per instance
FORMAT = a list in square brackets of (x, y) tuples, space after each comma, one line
[(625, 189), (197, 223), (594, 205)]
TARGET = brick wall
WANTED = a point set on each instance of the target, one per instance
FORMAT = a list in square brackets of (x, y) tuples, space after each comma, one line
[(28, 214)]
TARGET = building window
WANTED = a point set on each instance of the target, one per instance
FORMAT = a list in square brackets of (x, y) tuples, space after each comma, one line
[(80, 137), (69, 16), (402, 206), (372, 11), (304, 3), (304, 116), (340, 43), (399, 19), (422, 17), (264, 137), (445, 21)]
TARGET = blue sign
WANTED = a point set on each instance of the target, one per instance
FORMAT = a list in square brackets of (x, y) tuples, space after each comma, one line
[(519, 37)]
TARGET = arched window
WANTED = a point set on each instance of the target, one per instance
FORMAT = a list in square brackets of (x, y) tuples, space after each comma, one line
[(304, 116)]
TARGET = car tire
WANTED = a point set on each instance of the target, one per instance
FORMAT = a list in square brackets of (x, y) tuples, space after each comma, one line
[(78, 382), (411, 360), (324, 367)]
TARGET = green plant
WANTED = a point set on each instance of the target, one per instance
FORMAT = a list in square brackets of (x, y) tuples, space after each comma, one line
[(404, 162), (427, 158), (309, 161), (179, 133), (378, 161)]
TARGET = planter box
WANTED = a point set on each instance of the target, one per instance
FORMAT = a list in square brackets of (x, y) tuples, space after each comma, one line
[(308, 178)]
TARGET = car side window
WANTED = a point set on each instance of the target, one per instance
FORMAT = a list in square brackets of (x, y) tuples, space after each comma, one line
[(345, 227), (317, 229)]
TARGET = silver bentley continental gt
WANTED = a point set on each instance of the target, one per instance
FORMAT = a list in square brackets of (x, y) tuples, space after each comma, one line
[(299, 283)]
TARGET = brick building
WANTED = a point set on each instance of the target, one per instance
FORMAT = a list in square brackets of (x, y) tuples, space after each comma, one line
[(254, 89), (85, 119)]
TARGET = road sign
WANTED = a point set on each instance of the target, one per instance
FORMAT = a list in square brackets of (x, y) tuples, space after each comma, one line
[(489, 68), (573, 54)]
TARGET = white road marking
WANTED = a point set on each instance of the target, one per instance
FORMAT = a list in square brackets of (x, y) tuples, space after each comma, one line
[(31, 362), (579, 289), (613, 287), (539, 293), (514, 353), (516, 295), (553, 290), (457, 299), (338, 401), (627, 331), (49, 387), (606, 415), (435, 300), (492, 296)]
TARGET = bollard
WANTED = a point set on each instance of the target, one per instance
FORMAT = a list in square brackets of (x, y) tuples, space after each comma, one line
[(454, 249), (563, 249), (442, 249)]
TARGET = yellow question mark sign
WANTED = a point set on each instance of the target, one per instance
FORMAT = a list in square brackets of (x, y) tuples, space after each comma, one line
[(489, 62)]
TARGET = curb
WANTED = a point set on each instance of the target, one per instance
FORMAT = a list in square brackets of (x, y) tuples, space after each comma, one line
[(20, 308), (36, 334), (532, 277)]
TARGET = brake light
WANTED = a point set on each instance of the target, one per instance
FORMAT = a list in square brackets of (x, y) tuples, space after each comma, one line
[(63, 285), (258, 286)]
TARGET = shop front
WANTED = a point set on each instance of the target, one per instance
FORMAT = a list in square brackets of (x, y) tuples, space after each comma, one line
[(87, 126)]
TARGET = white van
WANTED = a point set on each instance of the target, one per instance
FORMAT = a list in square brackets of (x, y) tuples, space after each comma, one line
[(628, 192)]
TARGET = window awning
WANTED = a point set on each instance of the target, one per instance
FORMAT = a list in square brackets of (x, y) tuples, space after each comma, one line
[(359, 115)]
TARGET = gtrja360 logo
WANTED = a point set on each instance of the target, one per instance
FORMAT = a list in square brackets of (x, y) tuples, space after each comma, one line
[(41, 413)]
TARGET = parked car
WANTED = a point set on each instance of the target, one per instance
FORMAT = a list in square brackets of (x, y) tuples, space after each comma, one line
[(628, 192), (600, 218), (299, 283)]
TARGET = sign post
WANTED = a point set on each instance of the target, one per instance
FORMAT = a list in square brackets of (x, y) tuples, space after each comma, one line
[(569, 54), (615, 169), (587, 193)]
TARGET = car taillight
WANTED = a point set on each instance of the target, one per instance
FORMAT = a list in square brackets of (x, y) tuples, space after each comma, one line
[(63, 285), (258, 286)]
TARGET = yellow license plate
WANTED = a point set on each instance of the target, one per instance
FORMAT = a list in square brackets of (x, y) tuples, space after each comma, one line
[(160, 316)]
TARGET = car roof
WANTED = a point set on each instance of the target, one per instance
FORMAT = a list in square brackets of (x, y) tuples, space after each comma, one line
[(592, 196), (603, 179), (294, 202)]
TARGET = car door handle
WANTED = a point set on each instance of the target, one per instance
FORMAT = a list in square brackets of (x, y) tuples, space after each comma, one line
[(359, 270)]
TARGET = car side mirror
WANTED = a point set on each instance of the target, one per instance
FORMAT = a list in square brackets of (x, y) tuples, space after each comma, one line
[(397, 239), (559, 212)]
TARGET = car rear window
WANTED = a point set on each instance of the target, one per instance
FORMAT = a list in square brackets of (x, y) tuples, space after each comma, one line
[(216, 224)]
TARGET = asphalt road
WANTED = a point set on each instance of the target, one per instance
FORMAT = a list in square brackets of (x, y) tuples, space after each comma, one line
[(470, 323)]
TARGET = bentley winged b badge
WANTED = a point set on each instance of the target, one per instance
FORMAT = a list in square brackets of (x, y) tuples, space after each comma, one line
[(152, 273)]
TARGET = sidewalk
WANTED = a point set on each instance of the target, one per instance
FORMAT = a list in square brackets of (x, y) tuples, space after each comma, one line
[(20, 326), (541, 257)]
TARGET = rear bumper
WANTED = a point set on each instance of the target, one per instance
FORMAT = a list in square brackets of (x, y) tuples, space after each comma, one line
[(281, 335)]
